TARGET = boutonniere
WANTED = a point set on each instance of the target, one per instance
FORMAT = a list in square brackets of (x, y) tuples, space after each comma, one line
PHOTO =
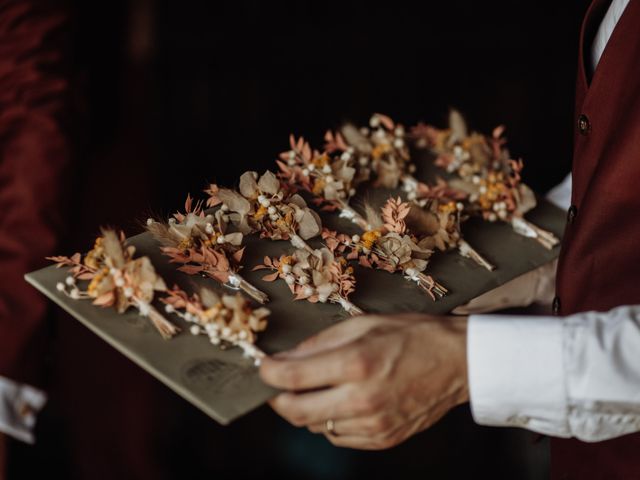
[(437, 226), (203, 245), (115, 279), (381, 151), (263, 205), (486, 172), (227, 320), (389, 246), (316, 277), (329, 176)]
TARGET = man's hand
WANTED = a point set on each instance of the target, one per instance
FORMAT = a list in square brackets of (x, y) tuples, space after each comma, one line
[(379, 379), (536, 286)]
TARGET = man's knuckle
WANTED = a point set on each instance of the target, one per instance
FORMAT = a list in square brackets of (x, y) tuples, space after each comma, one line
[(380, 424), (366, 403), (298, 419), (360, 365)]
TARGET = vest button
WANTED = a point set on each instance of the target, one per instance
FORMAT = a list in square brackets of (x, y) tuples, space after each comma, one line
[(584, 125), (571, 214), (555, 306)]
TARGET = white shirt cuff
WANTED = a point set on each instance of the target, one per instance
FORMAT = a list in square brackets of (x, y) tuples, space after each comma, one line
[(516, 372), (19, 405)]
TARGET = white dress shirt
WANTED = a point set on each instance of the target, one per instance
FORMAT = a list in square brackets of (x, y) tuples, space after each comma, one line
[(574, 376)]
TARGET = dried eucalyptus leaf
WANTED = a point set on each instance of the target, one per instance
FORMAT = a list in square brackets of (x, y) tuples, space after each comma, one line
[(234, 238), (354, 138), (269, 183), (236, 202), (458, 126), (298, 201), (248, 185)]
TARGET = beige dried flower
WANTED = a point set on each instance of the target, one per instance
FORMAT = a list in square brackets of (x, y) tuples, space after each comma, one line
[(116, 279), (486, 173), (317, 276), (203, 245), (264, 205), (224, 319)]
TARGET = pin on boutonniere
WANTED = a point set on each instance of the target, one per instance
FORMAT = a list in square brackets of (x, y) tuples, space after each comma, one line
[(264, 205), (329, 176), (486, 172), (316, 277), (203, 246), (115, 279), (227, 320), (390, 245)]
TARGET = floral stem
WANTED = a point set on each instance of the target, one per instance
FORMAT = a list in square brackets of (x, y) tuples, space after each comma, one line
[(238, 282), (429, 285), (528, 229), (164, 326), (468, 251), (349, 307), (298, 242)]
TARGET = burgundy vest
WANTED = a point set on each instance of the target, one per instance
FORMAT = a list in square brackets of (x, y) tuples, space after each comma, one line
[(599, 265)]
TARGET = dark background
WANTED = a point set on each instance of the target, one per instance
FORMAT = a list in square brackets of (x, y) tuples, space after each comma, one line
[(170, 95)]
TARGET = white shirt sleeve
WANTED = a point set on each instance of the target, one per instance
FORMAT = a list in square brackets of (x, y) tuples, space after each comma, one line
[(574, 376), (560, 195), (577, 376), (19, 404)]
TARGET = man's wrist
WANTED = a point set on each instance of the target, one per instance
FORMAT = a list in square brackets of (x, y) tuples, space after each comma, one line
[(456, 327)]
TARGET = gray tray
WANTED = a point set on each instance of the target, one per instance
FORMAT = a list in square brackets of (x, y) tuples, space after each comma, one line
[(223, 383)]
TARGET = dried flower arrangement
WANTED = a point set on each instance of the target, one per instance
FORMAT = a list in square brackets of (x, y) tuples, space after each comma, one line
[(330, 176), (315, 277), (202, 245), (389, 246), (265, 205), (115, 279), (224, 319), (381, 150), (486, 173), (437, 225)]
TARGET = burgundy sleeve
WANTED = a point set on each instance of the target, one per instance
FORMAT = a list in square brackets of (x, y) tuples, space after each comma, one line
[(33, 156)]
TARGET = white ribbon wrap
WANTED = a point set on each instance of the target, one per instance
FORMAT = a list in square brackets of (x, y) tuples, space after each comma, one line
[(347, 213), (297, 242)]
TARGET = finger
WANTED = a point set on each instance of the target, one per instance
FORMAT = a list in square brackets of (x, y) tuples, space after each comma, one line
[(323, 369), (367, 426), (302, 409), (518, 292), (333, 337), (381, 441), (364, 442)]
